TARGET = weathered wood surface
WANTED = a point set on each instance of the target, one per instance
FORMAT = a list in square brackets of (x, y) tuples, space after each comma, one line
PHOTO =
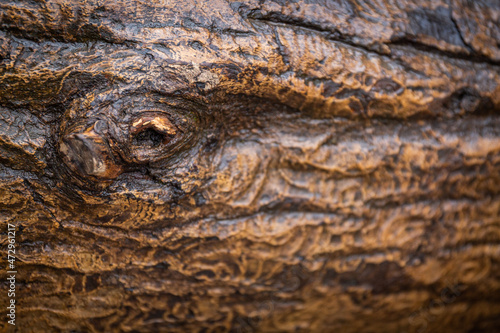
[(269, 166)]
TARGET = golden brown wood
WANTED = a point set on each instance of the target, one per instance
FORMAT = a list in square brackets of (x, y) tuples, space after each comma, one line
[(251, 166)]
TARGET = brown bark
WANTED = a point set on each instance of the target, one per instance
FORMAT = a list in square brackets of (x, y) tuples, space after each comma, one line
[(277, 166)]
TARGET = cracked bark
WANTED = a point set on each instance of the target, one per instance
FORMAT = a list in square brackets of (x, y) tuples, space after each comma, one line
[(252, 166)]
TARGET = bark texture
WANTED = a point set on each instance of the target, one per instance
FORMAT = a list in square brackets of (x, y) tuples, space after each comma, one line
[(253, 166)]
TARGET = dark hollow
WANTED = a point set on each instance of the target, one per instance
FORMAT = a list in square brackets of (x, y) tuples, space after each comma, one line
[(149, 138)]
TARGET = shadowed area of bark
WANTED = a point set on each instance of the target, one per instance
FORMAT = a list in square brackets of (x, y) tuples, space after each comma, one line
[(276, 166)]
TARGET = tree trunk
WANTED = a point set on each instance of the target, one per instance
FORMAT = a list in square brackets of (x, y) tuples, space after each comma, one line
[(256, 166)]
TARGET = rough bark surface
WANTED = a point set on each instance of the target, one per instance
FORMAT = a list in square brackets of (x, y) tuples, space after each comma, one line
[(269, 166)]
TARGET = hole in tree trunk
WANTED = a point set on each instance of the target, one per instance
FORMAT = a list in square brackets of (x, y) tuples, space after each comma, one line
[(149, 138)]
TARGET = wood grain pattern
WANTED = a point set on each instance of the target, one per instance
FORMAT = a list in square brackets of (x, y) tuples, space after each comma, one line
[(253, 166)]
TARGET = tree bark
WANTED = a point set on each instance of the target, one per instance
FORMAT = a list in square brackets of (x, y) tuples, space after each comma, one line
[(255, 166)]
